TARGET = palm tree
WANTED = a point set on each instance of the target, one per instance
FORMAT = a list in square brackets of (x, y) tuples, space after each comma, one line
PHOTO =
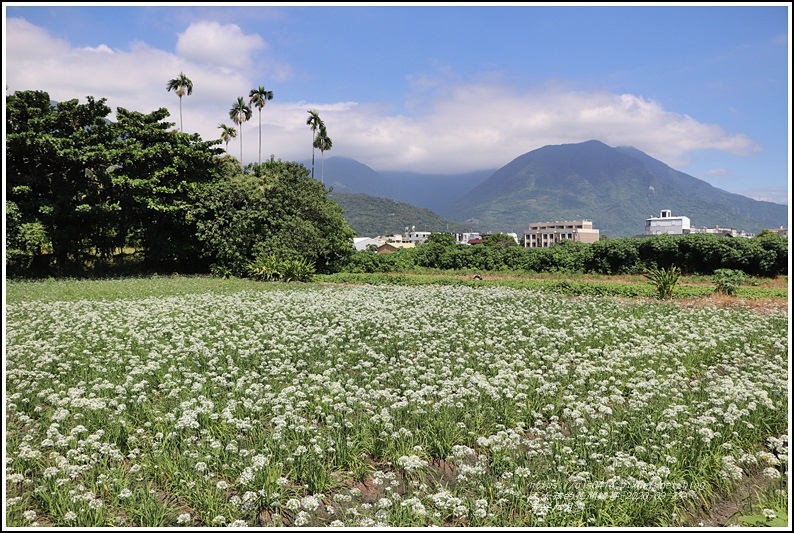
[(227, 134), (258, 98), (181, 84), (314, 122), (323, 142), (240, 113)]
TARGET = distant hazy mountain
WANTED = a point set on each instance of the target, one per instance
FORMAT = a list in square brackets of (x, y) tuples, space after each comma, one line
[(370, 216), (616, 188), (431, 191), (349, 176)]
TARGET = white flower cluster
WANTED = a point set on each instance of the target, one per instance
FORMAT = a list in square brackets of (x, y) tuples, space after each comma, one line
[(411, 463)]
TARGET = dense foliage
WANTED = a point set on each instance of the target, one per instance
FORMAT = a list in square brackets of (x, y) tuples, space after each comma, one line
[(765, 255), (275, 210), (85, 188), (88, 195)]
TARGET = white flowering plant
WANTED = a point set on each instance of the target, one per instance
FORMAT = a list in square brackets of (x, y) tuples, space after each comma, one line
[(353, 406)]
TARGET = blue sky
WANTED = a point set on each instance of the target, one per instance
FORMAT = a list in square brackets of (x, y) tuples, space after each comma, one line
[(440, 89)]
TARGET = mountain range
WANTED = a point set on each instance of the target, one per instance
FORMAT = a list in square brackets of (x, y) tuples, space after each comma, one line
[(616, 188)]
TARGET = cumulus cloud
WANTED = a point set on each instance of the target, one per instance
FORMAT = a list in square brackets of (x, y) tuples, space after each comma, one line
[(485, 126), (215, 44), (446, 126)]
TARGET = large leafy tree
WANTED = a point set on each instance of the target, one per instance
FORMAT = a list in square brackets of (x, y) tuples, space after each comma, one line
[(86, 187), (279, 211), (156, 179), (257, 98), (181, 85), (240, 113), (58, 159), (500, 240), (323, 143), (315, 123)]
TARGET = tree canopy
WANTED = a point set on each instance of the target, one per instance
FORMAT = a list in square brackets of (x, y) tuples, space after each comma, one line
[(82, 188), (275, 209)]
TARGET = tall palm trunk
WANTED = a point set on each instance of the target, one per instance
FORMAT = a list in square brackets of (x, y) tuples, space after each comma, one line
[(312, 154), (260, 135)]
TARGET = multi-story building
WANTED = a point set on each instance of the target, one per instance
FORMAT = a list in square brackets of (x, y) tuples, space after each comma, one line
[(666, 223), (546, 234), (417, 237)]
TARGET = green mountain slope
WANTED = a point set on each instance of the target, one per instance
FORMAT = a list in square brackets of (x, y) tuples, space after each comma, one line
[(617, 189), (370, 216)]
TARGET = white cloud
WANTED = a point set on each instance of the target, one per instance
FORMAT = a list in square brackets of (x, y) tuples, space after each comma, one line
[(101, 49), (215, 44), (31, 42), (451, 125), (485, 126)]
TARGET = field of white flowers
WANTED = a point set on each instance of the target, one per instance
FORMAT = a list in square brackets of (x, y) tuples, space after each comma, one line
[(376, 405)]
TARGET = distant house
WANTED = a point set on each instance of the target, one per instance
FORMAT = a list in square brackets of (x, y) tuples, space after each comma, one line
[(361, 243), (667, 224), (394, 246), (546, 234), (783, 232), (466, 238)]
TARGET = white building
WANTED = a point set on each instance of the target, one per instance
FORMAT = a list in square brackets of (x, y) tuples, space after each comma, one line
[(464, 238), (416, 237), (667, 224), (546, 234)]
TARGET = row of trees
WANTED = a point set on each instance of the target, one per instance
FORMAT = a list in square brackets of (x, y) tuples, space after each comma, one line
[(241, 112), (85, 192), (765, 255)]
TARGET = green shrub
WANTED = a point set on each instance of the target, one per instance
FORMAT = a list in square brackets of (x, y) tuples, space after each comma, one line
[(727, 280), (296, 270), (269, 267), (221, 271), (664, 280), (265, 268)]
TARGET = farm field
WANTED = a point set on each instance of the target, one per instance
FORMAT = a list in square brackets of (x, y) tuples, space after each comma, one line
[(185, 402)]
